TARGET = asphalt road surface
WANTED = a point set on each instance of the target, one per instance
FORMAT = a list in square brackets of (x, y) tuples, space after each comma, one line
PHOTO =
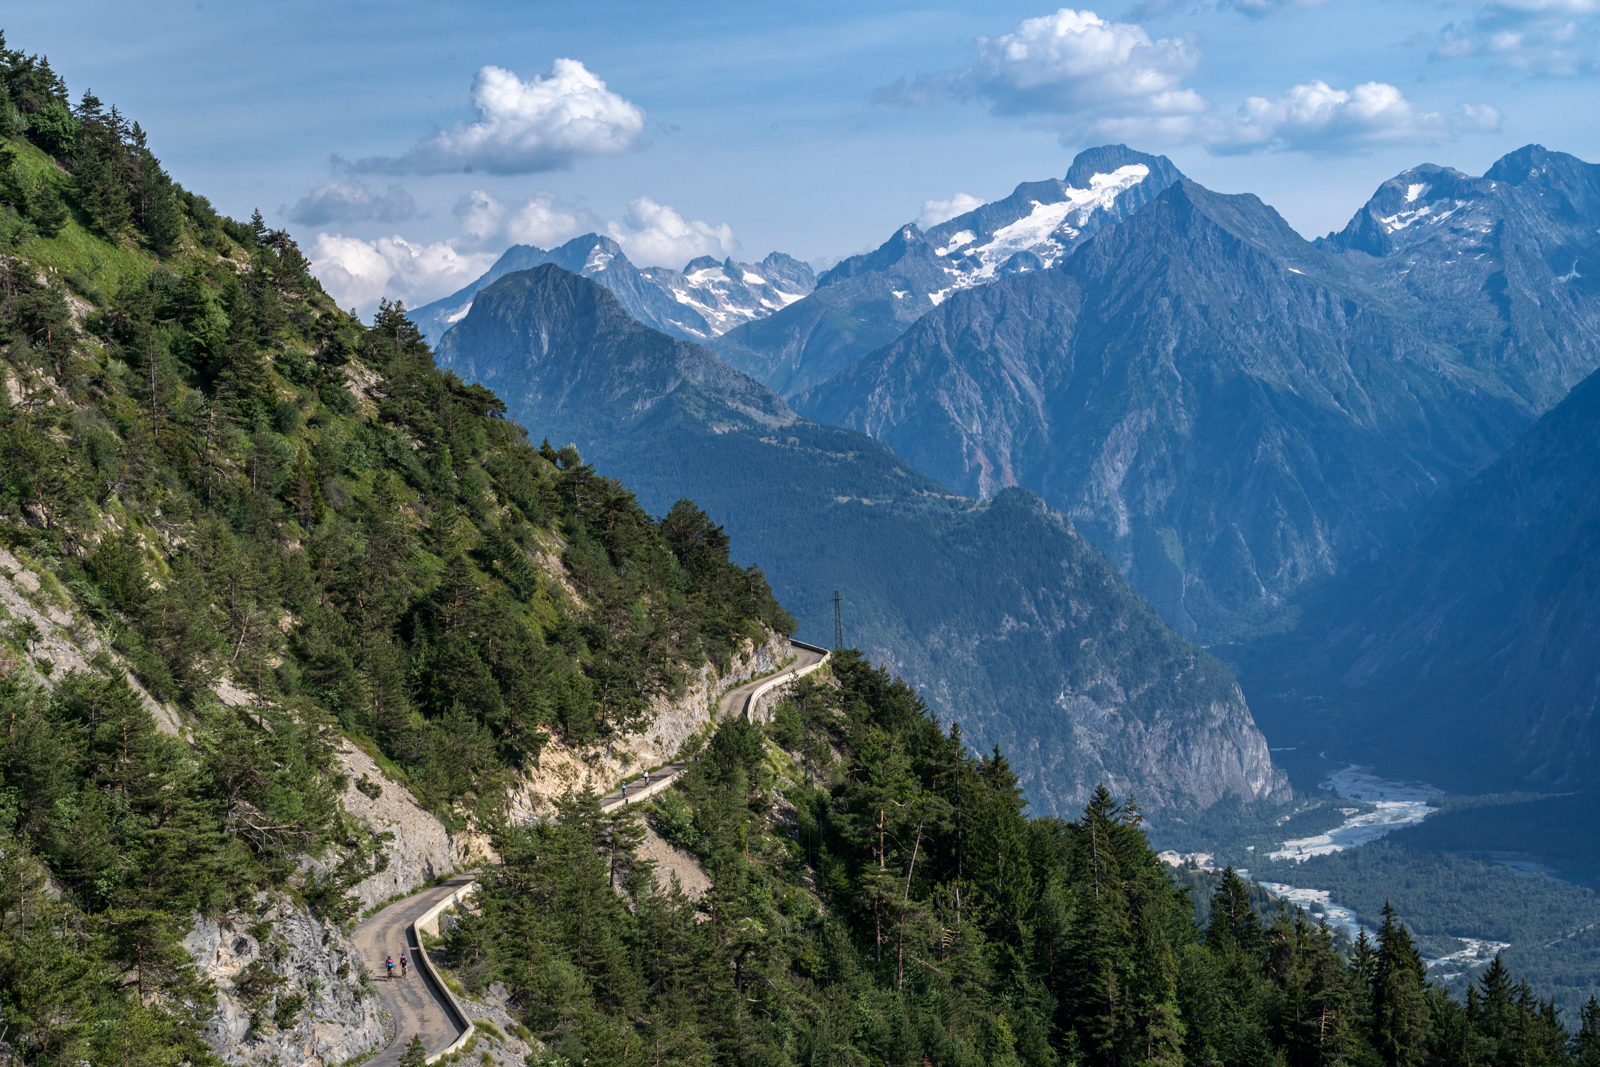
[(415, 1005)]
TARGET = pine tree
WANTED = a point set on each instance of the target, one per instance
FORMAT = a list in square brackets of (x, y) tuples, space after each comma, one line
[(1585, 1049), (1400, 1022), (415, 1055)]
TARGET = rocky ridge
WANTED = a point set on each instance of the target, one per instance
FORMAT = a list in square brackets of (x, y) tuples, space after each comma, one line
[(702, 301)]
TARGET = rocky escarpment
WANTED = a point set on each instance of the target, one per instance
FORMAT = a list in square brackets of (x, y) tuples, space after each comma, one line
[(291, 989)]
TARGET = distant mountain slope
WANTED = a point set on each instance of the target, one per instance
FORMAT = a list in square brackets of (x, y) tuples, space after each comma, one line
[(1483, 641), (999, 611), (867, 301), (703, 300), (1231, 413)]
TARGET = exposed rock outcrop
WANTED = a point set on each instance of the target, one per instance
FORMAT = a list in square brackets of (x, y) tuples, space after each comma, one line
[(674, 719), (290, 988)]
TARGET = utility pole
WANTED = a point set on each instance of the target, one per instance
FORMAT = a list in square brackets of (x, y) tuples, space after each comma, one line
[(838, 624)]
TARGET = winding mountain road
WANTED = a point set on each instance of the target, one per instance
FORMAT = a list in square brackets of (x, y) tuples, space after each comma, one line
[(416, 1004)]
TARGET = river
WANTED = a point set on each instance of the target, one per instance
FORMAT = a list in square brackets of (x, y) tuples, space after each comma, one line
[(1396, 805)]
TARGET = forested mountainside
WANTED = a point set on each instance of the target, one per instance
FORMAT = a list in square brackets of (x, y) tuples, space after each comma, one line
[(1000, 612), (867, 301), (878, 896), (703, 300), (1233, 414), (285, 533), (1475, 650)]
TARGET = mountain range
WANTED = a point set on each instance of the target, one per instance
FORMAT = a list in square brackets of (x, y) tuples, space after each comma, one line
[(1472, 655), (1235, 414), (1005, 618), (705, 299), (1255, 428)]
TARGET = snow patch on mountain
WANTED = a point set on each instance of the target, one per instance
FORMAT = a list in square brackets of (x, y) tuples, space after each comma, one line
[(1048, 231), (730, 294)]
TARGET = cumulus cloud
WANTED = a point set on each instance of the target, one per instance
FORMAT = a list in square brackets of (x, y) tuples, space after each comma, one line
[(937, 211), (654, 235), (1315, 117), (341, 201), (543, 219), (1087, 77), (527, 126), (358, 272), (1551, 37), (1076, 72)]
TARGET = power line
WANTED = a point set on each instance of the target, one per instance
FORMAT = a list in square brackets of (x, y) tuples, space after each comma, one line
[(838, 623)]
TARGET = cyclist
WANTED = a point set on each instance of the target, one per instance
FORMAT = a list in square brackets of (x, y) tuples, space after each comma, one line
[(402, 966), (389, 963), (647, 779)]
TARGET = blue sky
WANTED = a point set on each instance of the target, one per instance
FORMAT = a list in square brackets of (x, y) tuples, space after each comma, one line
[(813, 128)]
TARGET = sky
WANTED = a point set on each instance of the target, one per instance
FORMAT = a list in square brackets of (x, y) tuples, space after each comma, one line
[(405, 146)]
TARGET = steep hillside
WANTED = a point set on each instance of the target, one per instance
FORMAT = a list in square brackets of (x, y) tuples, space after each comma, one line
[(703, 300), (867, 301), (998, 611), (1234, 415), (288, 615)]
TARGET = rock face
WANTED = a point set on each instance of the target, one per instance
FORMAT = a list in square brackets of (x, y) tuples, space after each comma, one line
[(66, 641), (1233, 414), (289, 988), (1000, 613), (698, 303), (1504, 268), (867, 301), (422, 849)]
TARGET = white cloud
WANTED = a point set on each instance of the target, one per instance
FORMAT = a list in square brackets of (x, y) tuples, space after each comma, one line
[(543, 219), (937, 211), (654, 235), (1552, 37), (524, 127), (1315, 117), (1087, 77), (342, 201), (1077, 62), (357, 272)]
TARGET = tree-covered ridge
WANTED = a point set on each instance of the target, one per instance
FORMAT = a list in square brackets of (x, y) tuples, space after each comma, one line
[(247, 491), (879, 897)]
